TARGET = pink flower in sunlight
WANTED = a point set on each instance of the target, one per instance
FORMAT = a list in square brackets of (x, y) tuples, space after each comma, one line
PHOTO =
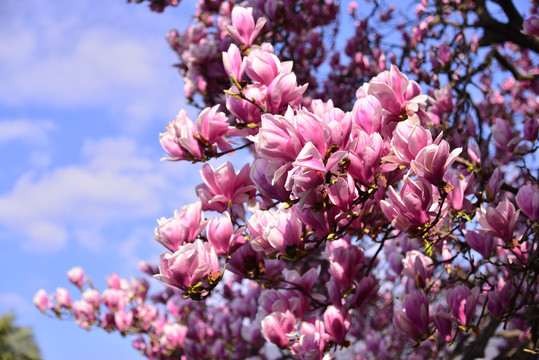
[(76, 276), (243, 29), (184, 227), (223, 188), (188, 266), (279, 327), (432, 162), (41, 300), (411, 206)]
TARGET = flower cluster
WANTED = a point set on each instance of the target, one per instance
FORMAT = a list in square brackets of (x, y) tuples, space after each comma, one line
[(379, 214)]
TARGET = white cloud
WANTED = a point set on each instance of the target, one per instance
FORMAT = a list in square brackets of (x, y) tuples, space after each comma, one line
[(14, 302), (35, 132), (70, 57), (118, 184)]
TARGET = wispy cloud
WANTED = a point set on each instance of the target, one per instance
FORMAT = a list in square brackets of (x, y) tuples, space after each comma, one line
[(69, 57), (117, 184), (14, 302), (34, 132)]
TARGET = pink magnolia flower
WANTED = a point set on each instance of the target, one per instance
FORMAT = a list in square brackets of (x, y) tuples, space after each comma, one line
[(275, 232), (76, 276), (189, 265), (173, 335), (113, 281), (413, 319), (211, 126), (283, 92), (264, 67), (336, 324), (243, 29), (84, 314), (462, 302), (220, 234), (269, 178), (115, 299), (411, 206), (244, 110), (246, 262), (531, 129), (319, 107), (494, 184), (482, 243), (340, 127), (234, 63), (365, 153), (501, 297), (92, 297), (313, 129), (179, 140), (183, 228), (223, 188), (504, 139), (418, 268), (343, 192), (278, 138), (473, 151), (308, 171), (444, 53), (367, 115), (41, 300), (530, 26), (499, 221), (123, 319), (443, 322), (399, 97), (279, 327), (63, 298), (365, 290), (528, 201), (432, 162), (462, 188), (312, 341), (407, 141), (344, 264)]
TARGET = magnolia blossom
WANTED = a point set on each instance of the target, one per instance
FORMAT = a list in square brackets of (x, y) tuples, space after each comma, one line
[(336, 324), (408, 140), (189, 265), (418, 268), (221, 235), (528, 201), (179, 140), (279, 327), (243, 29), (223, 188), (432, 162), (275, 232), (184, 227), (462, 303), (41, 300), (499, 221), (76, 276), (413, 319), (399, 97), (411, 206)]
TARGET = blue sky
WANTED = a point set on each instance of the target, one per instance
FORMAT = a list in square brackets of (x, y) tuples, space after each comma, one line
[(86, 88)]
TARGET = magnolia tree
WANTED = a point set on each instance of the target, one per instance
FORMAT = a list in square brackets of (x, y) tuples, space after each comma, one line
[(388, 206)]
